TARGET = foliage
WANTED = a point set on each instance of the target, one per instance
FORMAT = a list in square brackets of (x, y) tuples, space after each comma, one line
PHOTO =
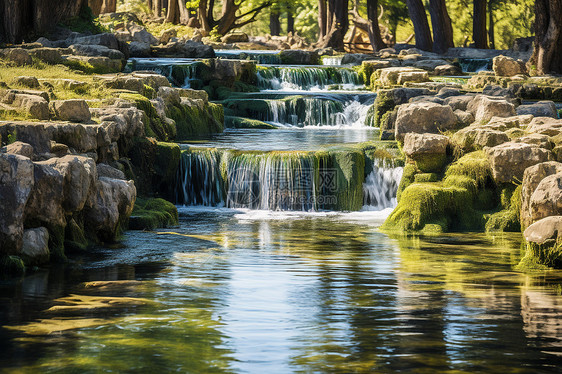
[(85, 22)]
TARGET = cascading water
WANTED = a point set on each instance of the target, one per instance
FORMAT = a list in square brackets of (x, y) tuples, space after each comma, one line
[(332, 60), (475, 65), (292, 78), (282, 181), (380, 186), (180, 72)]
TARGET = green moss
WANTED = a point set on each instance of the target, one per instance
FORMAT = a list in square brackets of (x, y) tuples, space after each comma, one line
[(507, 219), (150, 214), (75, 238), (408, 177), (383, 103), (56, 243), (11, 266), (248, 108), (541, 256), (431, 163), (167, 160), (474, 165), (154, 126), (193, 121), (426, 177), (246, 123)]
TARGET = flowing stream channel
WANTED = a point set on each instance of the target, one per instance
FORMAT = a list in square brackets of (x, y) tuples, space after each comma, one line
[(278, 266)]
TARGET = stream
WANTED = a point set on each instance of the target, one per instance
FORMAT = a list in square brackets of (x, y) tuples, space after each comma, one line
[(277, 265)]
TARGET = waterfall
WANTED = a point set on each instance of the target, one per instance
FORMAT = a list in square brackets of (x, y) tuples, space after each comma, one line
[(306, 78), (332, 60), (284, 181), (180, 73), (474, 65), (305, 112), (381, 185)]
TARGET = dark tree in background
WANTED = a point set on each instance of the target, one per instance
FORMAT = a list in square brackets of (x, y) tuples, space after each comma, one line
[(290, 19), (547, 55), (274, 23), (374, 29), (421, 26), (230, 18), (336, 24), (442, 27), (479, 24), (29, 18)]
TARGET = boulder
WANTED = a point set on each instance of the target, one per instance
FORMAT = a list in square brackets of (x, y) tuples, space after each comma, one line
[(235, 37), (498, 91), (29, 82), (166, 36), (549, 228), (357, 58), (50, 56), (483, 108), (140, 34), (35, 106), (423, 118), (139, 49), (429, 65), (299, 57), (106, 171), (35, 249), (79, 175), (19, 56), (446, 92), (429, 151), (193, 49), (399, 75), (540, 109), (100, 64), (509, 160), (169, 95), (448, 70), (109, 207), (545, 125), (106, 39), (546, 200), (96, 51), (16, 183), (464, 118), (413, 77), (503, 124), (541, 140), (19, 148), (477, 137), (45, 204), (531, 179), (507, 67), (75, 110), (459, 102)]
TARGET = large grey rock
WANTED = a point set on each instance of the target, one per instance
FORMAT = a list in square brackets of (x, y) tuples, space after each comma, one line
[(35, 250), (19, 56), (546, 200), (459, 102), (508, 67), (107, 171), (505, 123), (540, 109), (16, 182), (477, 137), (537, 139), (531, 179), (545, 125), (429, 151), (299, 57), (423, 118), (75, 110), (447, 70), (111, 205), (139, 49), (509, 160), (485, 107), (51, 56), (19, 148), (79, 175), (169, 95), (35, 106), (549, 228), (389, 77), (235, 37), (429, 65), (140, 34), (106, 39), (96, 51), (45, 204)]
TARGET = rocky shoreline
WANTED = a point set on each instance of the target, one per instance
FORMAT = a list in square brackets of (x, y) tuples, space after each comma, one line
[(479, 157)]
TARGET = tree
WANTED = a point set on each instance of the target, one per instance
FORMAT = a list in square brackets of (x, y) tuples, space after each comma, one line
[(479, 24), (230, 18), (395, 12), (27, 18), (374, 29), (109, 6), (421, 26), (337, 23), (547, 55), (322, 19), (95, 6), (290, 19), (274, 22), (442, 27)]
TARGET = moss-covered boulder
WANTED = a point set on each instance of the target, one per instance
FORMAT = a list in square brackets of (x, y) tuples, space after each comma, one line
[(544, 244), (150, 214), (246, 123)]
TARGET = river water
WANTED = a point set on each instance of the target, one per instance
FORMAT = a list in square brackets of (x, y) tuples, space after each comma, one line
[(262, 288)]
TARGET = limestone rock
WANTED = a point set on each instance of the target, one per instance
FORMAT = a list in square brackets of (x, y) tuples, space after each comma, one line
[(485, 107), (235, 37), (429, 151), (140, 34), (388, 77), (106, 171), (16, 182), (545, 125), (19, 148), (35, 250), (546, 200), (477, 137), (549, 228), (139, 49), (459, 102), (45, 202), (50, 56), (103, 64), (503, 124), (509, 160), (75, 110), (531, 179), (96, 51), (36, 106), (299, 57), (18, 55), (540, 109), (423, 118), (507, 67), (448, 70), (169, 95), (463, 117), (537, 139)]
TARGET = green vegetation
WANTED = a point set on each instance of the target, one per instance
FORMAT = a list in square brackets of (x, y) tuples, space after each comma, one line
[(246, 123), (11, 266), (150, 214)]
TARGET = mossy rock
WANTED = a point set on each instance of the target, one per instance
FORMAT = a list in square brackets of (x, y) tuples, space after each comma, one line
[(75, 237), (383, 103), (426, 177), (431, 163), (408, 177), (194, 121), (154, 126), (507, 219), (248, 108), (246, 123), (542, 256), (150, 214), (11, 266)]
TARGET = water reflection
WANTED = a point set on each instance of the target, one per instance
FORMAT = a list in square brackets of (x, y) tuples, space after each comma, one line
[(230, 292)]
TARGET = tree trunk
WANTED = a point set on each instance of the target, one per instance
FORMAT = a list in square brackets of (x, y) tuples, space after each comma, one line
[(374, 29), (547, 55), (421, 26), (183, 12), (290, 20), (322, 19), (109, 6), (479, 24), (491, 31), (337, 25), (95, 6), (173, 14), (274, 24), (442, 28)]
